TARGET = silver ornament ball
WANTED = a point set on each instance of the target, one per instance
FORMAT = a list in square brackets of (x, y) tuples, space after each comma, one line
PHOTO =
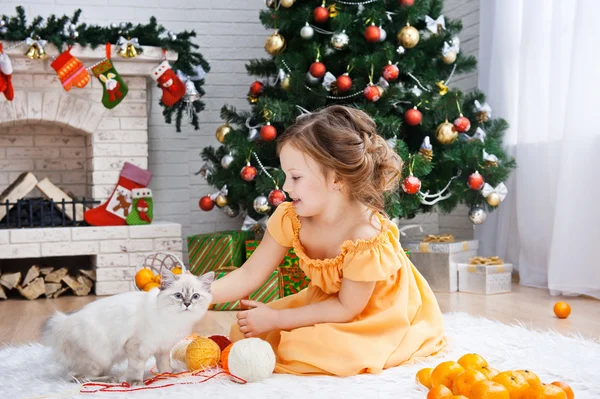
[(311, 80), (340, 40), (307, 32), (2, 23), (226, 161), (477, 214), (114, 25), (382, 34), (253, 134), (270, 3), (231, 211), (75, 34), (261, 204)]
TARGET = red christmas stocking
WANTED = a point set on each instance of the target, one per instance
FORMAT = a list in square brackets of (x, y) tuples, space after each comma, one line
[(115, 210), (172, 87), (6, 71)]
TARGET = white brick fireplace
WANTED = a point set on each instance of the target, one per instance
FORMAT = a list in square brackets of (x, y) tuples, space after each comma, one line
[(80, 146)]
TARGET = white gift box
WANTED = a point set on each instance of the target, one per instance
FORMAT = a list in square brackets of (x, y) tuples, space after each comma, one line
[(485, 279), (438, 261)]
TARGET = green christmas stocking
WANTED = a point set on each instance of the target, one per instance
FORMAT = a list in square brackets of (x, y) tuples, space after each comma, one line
[(141, 211), (114, 88)]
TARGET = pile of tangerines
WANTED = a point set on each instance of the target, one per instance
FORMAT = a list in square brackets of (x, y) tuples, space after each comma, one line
[(146, 279), (472, 378)]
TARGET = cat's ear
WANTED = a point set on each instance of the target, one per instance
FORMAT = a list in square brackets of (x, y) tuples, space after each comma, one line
[(207, 280), (167, 278)]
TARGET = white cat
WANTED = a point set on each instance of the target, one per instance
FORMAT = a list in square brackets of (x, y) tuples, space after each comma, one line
[(133, 326)]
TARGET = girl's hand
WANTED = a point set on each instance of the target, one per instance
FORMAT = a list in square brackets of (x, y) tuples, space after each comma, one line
[(257, 320)]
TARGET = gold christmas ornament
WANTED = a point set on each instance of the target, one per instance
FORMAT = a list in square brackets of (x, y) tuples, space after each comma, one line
[(449, 57), (222, 132), (408, 36), (333, 11), (443, 88), (275, 43), (36, 49), (252, 99), (446, 133), (128, 48), (427, 154), (285, 83), (221, 201), (493, 199), (287, 3)]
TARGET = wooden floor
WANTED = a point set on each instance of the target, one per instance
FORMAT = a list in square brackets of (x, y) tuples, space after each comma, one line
[(20, 320)]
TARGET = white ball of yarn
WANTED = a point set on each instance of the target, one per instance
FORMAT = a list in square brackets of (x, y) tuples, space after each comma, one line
[(251, 359)]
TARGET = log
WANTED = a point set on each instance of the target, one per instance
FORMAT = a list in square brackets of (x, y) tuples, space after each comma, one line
[(52, 192), (60, 292), (44, 271), (10, 280), (51, 288), (57, 275), (86, 281), (2, 293), (78, 288), (32, 274), (33, 290), (16, 191), (91, 274)]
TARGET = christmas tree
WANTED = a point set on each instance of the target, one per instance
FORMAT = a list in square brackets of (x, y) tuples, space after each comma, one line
[(395, 60)]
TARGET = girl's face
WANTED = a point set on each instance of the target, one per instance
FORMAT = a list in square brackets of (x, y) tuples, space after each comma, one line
[(304, 182)]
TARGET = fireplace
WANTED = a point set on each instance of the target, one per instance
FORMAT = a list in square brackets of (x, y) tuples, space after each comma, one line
[(65, 150)]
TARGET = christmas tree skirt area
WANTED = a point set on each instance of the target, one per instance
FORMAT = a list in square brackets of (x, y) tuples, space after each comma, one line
[(28, 371)]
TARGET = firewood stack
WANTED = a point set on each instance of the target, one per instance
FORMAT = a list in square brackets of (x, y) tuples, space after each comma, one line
[(49, 281)]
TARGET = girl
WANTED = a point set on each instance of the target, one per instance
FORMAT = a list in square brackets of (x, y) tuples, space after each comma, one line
[(367, 308)]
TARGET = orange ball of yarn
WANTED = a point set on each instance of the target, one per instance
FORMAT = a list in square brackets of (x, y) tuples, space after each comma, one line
[(202, 353), (225, 358), (221, 340)]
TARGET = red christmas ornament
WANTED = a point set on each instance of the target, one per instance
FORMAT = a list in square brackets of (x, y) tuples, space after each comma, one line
[(321, 15), (407, 3), (413, 116), (411, 185), (206, 204), (248, 172), (268, 132), (372, 33), (343, 83), (475, 181), (390, 72), (257, 88), (372, 93), (317, 69), (276, 197), (462, 124)]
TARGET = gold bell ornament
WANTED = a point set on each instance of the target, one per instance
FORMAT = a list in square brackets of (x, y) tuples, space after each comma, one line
[(36, 49), (128, 48)]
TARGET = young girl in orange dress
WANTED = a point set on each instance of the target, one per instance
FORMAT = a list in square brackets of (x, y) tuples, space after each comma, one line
[(366, 308)]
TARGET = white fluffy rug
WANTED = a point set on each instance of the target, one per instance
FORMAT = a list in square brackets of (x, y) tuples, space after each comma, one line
[(27, 372)]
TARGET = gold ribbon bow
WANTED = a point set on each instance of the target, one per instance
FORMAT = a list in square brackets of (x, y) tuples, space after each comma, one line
[(490, 261), (439, 238)]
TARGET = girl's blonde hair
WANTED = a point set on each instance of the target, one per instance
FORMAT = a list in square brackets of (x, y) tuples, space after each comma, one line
[(344, 140)]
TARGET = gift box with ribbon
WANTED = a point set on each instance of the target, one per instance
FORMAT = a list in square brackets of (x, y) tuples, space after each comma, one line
[(208, 252), (485, 276), (437, 256), (269, 291), (289, 260)]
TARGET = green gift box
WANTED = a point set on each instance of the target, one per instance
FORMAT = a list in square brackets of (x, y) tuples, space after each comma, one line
[(289, 260), (208, 252), (269, 291), (294, 280)]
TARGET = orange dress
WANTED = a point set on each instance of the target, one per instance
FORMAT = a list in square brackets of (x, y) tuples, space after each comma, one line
[(401, 323)]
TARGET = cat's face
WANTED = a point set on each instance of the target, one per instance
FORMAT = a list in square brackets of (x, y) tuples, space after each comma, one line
[(186, 293)]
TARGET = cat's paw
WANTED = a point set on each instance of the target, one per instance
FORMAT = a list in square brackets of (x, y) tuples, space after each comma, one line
[(135, 382)]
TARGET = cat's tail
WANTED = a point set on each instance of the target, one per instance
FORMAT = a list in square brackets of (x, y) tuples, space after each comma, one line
[(50, 326)]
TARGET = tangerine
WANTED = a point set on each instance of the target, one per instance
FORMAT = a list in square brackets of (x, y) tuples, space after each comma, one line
[(544, 391), (531, 377), (463, 383), (489, 390), (424, 377), (514, 382), (143, 277), (459, 397), (562, 310), (488, 371), (440, 392), (445, 372), (156, 279), (177, 270), (472, 361), (565, 387), (151, 285)]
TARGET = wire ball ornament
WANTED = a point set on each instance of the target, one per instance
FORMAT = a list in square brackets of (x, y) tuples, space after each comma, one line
[(157, 262)]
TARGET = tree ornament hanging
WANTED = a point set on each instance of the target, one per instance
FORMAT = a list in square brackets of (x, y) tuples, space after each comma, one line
[(382, 34), (270, 3), (413, 116), (276, 197), (268, 132), (494, 195), (275, 43), (475, 181), (257, 88), (462, 124), (307, 32), (261, 205), (231, 211), (286, 3), (372, 92), (128, 48), (333, 11), (285, 83), (406, 3), (491, 161), (411, 184), (390, 72), (477, 215), (222, 132), (426, 149), (340, 40), (221, 201), (449, 52), (321, 14), (408, 36), (226, 161), (317, 69), (446, 133), (484, 112), (248, 172), (206, 203), (36, 50), (372, 33), (343, 83)]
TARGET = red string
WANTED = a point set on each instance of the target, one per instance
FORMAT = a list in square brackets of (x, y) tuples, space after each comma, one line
[(158, 377), (108, 48)]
